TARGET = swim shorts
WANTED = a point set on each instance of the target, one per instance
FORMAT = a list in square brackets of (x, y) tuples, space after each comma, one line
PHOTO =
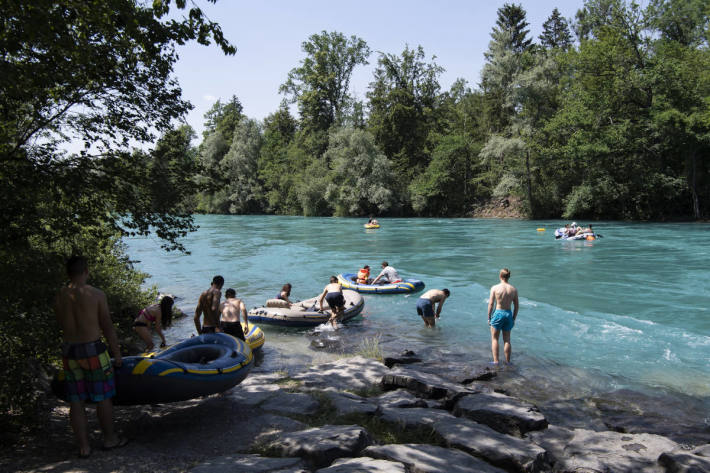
[(208, 329), (335, 299), (502, 320), (234, 329), (425, 308), (88, 372)]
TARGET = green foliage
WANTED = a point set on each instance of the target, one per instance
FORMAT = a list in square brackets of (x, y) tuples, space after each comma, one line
[(239, 170), (555, 32)]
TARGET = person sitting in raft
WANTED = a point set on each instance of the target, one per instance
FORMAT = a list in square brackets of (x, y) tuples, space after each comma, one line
[(363, 275), (230, 309), (333, 295), (160, 314), (387, 275), (285, 293), (588, 229), (425, 305)]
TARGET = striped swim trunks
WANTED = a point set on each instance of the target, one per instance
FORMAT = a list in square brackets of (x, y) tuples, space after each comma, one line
[(88, 372)]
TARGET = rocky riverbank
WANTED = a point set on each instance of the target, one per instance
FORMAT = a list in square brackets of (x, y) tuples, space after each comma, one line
[(358, 414)]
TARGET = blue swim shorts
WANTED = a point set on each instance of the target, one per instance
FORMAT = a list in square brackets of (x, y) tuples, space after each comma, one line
[(425, 308), (502, 320)]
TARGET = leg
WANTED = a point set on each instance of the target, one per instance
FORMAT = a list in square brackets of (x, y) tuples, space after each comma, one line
[(104, 411), (494, 343), (145, 334), (506, 345), (80, 426)]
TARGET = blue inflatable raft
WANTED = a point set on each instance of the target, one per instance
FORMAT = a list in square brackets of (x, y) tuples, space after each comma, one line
[(349, 281), (199, 366)]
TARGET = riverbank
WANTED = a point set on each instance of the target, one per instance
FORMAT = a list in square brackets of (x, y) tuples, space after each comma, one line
[(373, 415)]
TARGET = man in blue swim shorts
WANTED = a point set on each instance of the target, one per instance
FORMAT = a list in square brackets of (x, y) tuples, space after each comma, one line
[(503, 296), (426, 303)]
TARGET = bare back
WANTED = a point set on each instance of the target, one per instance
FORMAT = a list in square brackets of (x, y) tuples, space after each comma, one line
[(505, 295), (231, 309), (208, 305), (79, 309)]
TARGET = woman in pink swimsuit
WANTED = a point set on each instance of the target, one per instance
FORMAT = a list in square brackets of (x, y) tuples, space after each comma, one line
[(161, 315)]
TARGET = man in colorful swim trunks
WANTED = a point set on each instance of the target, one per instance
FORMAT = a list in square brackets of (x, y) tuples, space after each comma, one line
[(82, 313), (503, 295), (425, 305)]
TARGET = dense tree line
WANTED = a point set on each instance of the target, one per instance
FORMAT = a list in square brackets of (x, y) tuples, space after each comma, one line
[(603, 116)]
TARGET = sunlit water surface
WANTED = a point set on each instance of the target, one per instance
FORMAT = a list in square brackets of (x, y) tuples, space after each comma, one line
[(630, 310)]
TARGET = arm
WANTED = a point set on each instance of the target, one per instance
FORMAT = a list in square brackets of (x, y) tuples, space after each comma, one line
[(243, 308), (320, 299), (515, 304), (108, 329), (198, 314), (378, 276), (438, 308), (491, 300)]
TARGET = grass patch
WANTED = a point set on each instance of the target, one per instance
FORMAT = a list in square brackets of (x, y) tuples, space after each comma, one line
[(370, 348), (266, 448), (372, 390), (387, 433)]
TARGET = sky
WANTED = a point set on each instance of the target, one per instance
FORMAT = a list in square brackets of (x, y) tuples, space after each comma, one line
[(268, 36)]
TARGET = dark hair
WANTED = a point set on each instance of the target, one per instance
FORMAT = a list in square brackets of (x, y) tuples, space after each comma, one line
[(333, 279), (366, 267), (230, 293), (166, 311), (287, 289), (218, 281), (76, 265), (385, 263), (447, 292)]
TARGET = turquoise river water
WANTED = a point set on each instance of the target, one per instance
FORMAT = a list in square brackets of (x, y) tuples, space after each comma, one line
[(630, 310)]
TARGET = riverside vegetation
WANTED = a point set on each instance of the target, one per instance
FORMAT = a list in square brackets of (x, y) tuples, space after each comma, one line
[(606, 116)]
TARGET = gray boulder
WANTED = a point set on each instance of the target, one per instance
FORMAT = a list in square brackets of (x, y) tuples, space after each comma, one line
[(348, 374), (245, 464), (358, 465), (505, 414), (426, 385), (421, 458), (703, 451), (321, 445), (253, 394), (684, 462), (586, 450), (291, 403), (414, 417), (399, 398), (348, 403), (505, 451)]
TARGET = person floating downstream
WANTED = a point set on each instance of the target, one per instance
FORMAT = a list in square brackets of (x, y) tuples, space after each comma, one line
[(230, 310), (503, 295), (387, 275), (333, 294), (82, 313), (425, 305), (208, 305), (161, 315)]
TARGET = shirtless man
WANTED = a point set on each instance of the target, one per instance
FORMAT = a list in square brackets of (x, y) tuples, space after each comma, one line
[(333, 294), (82, 313), (230, 310), (425, 305), (503, 295), (208, 304)]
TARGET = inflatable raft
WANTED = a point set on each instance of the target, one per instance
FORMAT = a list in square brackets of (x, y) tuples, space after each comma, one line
[(255, 337), (305, 313), (348, 280), (588, 236), (199, 366), (372, 225)]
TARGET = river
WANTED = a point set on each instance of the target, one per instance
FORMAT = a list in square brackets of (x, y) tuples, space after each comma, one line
[(629, 311)]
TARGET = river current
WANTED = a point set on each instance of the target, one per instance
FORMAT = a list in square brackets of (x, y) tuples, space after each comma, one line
[(629, 311)]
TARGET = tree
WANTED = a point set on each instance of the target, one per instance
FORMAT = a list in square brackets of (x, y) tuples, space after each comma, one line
[(275, 167), (320, 85), (240, 170), (403, 110), (223, 118), (361, 180), (555, 33)]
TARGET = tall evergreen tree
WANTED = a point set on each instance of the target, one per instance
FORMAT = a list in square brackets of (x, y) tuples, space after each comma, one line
[(556, 33)]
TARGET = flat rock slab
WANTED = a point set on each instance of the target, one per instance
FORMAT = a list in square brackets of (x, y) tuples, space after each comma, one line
[(245, 464), (426, 385), (684, 462), (348, 374), (399, 398), (320, 446), (505, 414), (505, 451), (461, 372), (415, 416), (291, 403), (421, 458), (347, 403), (253, 394), (586, 450), (365, 464)]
